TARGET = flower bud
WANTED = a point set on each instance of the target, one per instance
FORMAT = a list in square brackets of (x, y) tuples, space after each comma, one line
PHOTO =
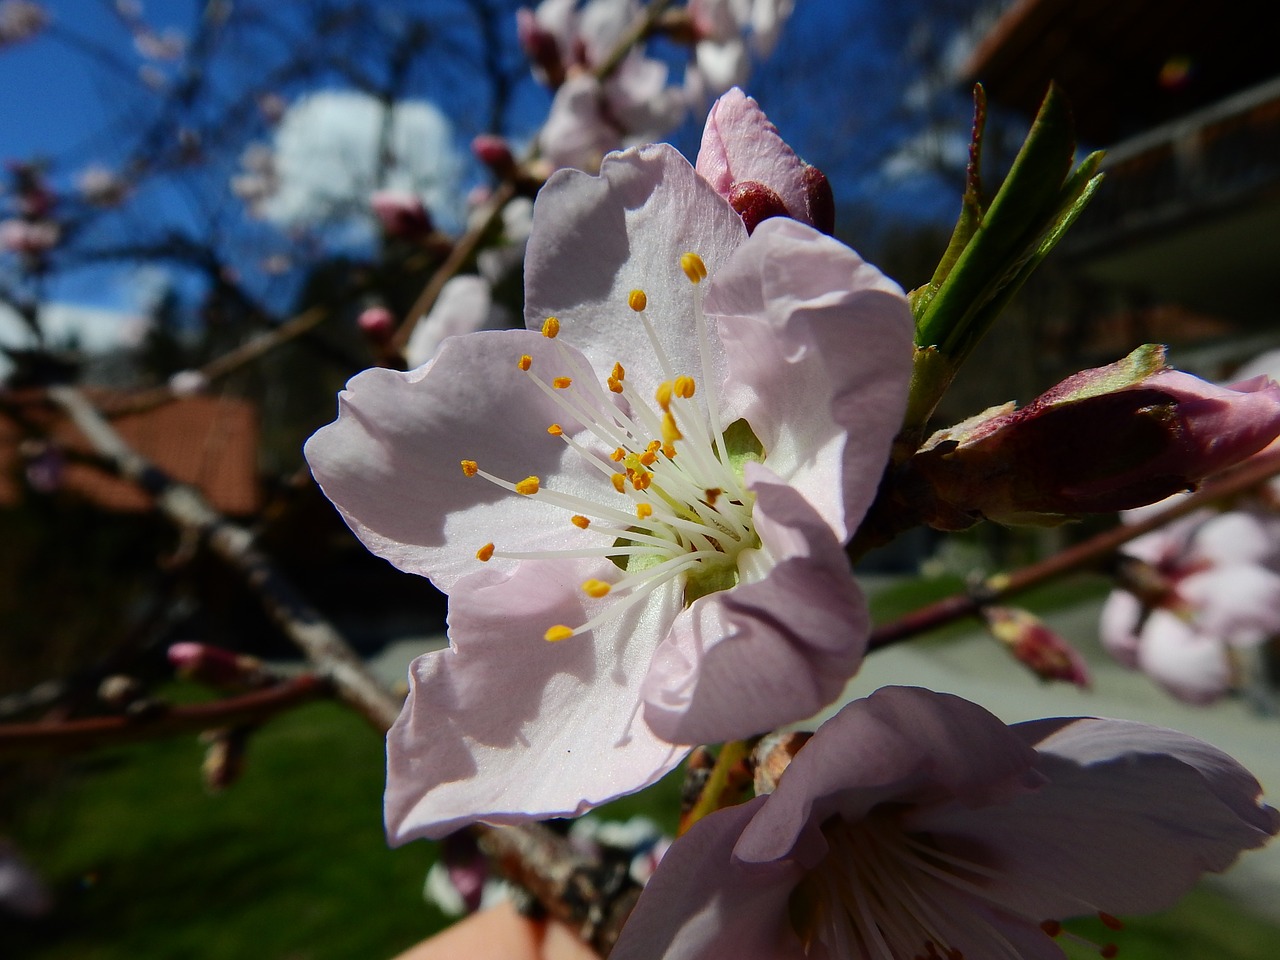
[(1035, 646), (216, 666), (377, 323), (401, 214), (495, 153), (1106, 439)]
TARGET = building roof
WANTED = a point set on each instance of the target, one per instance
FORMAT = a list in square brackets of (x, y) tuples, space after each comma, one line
[(208, 442), (1125, 65)]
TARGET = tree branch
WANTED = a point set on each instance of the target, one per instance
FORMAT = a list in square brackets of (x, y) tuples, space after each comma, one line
[(1083, 555), (19, 739)]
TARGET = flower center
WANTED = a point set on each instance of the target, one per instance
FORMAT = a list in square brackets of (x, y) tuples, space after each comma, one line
[(671, 492), (885, 894)]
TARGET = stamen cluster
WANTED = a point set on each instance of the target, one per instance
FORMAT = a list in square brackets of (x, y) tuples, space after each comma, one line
[(686, 511)]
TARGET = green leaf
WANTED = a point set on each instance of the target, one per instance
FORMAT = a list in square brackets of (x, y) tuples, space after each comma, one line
[(1026, 203)]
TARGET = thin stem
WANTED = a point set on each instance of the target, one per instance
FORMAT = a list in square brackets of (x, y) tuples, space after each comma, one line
[(42, 738)]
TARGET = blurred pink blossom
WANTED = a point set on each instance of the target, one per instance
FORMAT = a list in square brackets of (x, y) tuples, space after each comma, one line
[(916, 824), (1215, 592)]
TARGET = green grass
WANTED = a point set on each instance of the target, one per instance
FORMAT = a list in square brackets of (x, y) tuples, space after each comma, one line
[(290, 862)]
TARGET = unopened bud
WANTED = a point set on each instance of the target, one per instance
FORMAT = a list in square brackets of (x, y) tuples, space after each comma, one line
[(821, 202), (377, 323), (1035, 646), (495, 153), (1106, 439), (755, 203), (216, 666), (540, 46), (401, 214)]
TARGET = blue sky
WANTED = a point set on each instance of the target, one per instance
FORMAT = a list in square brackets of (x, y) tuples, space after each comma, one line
[(834, 87)]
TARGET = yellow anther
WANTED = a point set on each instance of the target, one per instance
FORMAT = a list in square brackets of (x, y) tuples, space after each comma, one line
[(684, 387), (579, 521), (528, 486), (618, 373), (595, 588), (654, 446), (615, 385), (648, 457), (551, 328), (637, 300), (470, 468), (644, 511), (618, 455), (619, 481), (641, 479), (525, 362), (693, 267), (663, 394), (558, 632), (561, 383), (484, 553), (555, 430)]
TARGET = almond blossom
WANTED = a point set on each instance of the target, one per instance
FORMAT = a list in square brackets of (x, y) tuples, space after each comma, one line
[(567, 44), (917, 825), (637, 505), (1210, 590)]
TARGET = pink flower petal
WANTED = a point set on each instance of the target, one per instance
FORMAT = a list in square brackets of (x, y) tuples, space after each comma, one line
[(819, 357), (581, 262), (391, 461), (505, 726), (1131, 817), (740, 143)]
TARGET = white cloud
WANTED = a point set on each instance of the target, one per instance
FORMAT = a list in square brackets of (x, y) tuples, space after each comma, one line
[(327, 163), (90, 329)]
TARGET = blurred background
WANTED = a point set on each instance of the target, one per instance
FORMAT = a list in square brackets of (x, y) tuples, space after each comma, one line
[(184, 179)]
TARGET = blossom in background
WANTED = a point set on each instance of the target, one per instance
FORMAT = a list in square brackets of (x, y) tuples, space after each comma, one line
[(590, 116), (728, 32), (29, 238), (1210, 589), (465, 305), (916, 824), (637, 505)]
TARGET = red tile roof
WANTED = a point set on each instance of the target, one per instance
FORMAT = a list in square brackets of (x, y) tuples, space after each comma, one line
[(208, 442)]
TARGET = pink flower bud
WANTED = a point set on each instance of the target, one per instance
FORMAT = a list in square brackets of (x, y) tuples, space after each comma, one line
[(494, 152), (540, 46), (377, 323), (1106, 439), (755, 202), (1035, 646), (216, 666), (401, 214)]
